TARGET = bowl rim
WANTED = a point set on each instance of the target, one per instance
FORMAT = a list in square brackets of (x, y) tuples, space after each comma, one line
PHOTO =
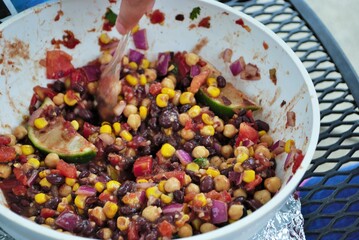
[(277, 201)]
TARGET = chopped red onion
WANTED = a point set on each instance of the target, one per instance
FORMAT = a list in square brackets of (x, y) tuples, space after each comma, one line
[(86, 191), (135, 56), (140, 39), (289, 160), (235, 177), (236, 67), (184, 157), (67, 220), (227, 55), (172, 208), (290, 119), (141, 197), (250, 72), (195, 70), (219, 212), (145, 185), (32, 178), (163, 63), (92, 72), (247, 143), (278, 147)]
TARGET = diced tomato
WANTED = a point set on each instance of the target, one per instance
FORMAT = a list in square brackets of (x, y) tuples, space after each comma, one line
[(78, 77), (4, 140), (89, 129), (66, 169), (189, 125), (247, 132), (223, 196), (58, 64), (132, 232), (105, 196), (157, 17), (20, 175), (205, 22), (7, 154), (43, 92), (298, 158), (189, 197), (250, 186), (8, 184), (155, 88), (142, 166), (166, 229), (19, 190), (180, 175), (128, 92), (183, 68), (198, 81), (47, 212), (33, 102)]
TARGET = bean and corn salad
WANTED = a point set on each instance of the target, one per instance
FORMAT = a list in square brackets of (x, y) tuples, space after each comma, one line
[(165, 166)]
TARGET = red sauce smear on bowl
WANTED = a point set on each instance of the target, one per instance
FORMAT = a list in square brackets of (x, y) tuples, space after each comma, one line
[(241, 23), (265, 45), (112, 1), (68, 40), (58, 15), (205, 22), (157, 17)]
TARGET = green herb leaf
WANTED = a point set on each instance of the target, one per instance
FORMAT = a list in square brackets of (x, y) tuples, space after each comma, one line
[(195, 13), (111, 16), (202, 162)]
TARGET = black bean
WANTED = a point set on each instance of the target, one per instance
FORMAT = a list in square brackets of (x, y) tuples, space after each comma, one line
[(58, 86), (189, 146), (24, 202), (70, 116), (207, 184), (112, 224), (127, 186), (85, 114), (158, 139), (39, 220), (77, 87), (176, 126), (168, 217), (146, 150), (52, 203), (152, 123), (261, 125), (252, 204), (221, 81), (207, 141), (195, 179), (185, 82), (16, 208), (178, 196), (143, 224), (84, 173), (240, 199), (184, 108), (226, 171), (88, 229), (166, 118), (249, 164), (153, 235), (55, 179)]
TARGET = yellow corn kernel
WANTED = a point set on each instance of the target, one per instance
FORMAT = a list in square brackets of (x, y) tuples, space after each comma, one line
[(50, 221), (122, 223), (207, 130), (133, 65), (40, 123), (153, 191), (106, 129), (207, 119), (186, 98), (182, 220), (110, 209), (212, 172), (104, 38), (194, 167), (75, 187), (44, 183), (145, 63), (241, 157), (289, 144), (27, 149), (143, 112), (251, 151), (75, 124), (170, 68), (80, 201), (135, 28), (167, 150), (170, 92), (261, 133), (142, 180), (105, 58), (249, 175), (201, 198), (42, 174), (162, 100), (112, 185), (126, 135), (35, 163), (212, 82), (166, 198), (161, 186), (116, 128), (70, 181), (168, 131), (133, 81), (194, 111), (143, 79), (99, 186), (213, 91), (41, 198), (69, 198), (70, 98)]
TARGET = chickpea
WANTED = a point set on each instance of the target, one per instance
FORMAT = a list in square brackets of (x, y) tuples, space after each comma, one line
[(105, 233), (97, 215), (229, 130), (168, 83), (20, 132), (183, 118), (58, 99), (235, 211), (192, 188), (266, 138), (221, 183), (12, 139), (273, 184), (91, 88), (172, 184), (218, 124), (65, 190), (17, 148), (185, 231), (238, 167), (260, 149), (200, 152), (240, 150), (223, 165), (173, 78), (227, 151), (122, 223), (5, 171), (150, 74), (151, 213), (239, 193), (146, 102), (129, 109), (187, 180), (263, 196), (187, 134), (207, 227), (216, 161), (175, 99), (191, 59), (51, 160), (134, 121)]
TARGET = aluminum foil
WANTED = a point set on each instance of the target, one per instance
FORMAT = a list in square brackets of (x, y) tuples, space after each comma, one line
[(286, 224)]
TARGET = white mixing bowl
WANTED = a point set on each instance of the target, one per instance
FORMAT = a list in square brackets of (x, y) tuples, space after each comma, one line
[(33, 30)]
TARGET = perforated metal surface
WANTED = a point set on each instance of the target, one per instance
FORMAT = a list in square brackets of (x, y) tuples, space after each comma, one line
[(330, 189)]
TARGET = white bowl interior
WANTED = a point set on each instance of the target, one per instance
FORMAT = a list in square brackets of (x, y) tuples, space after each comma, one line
[(32, 31)]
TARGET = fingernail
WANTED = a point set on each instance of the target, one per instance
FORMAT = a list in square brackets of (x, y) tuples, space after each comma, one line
[(120, 28)]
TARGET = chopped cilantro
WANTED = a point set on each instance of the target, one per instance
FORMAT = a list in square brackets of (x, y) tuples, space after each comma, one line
[(202, 162), (111, 16), (195, 13)]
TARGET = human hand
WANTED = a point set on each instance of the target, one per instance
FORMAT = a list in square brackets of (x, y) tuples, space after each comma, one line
[(131, 12)]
